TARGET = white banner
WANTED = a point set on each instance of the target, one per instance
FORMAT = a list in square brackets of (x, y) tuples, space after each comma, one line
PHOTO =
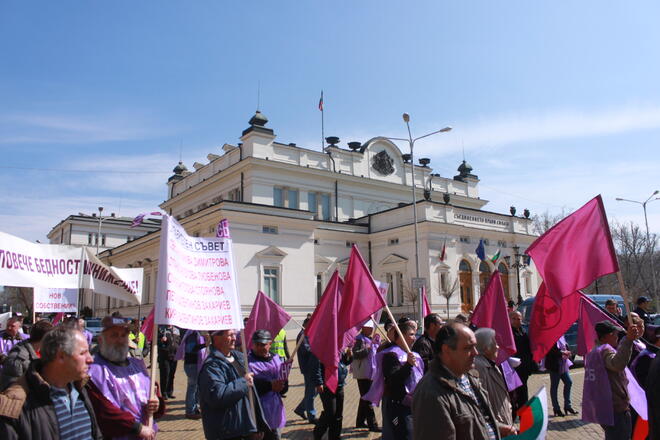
[(196, 281), (27, 264), (55, 300)]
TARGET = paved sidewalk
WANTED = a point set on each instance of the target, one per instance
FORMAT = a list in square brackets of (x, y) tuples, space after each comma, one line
[(175, 427)]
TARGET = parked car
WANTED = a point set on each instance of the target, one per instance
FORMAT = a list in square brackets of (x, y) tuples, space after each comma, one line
[(94, 326), (571, 334)]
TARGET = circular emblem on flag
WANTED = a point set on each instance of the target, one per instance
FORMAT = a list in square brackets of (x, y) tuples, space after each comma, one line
[(551, 312)]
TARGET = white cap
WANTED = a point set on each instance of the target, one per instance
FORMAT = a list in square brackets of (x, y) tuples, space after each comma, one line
[(370, 323)]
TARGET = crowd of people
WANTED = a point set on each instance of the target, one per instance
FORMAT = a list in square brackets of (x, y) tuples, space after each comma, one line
[(60, 382)]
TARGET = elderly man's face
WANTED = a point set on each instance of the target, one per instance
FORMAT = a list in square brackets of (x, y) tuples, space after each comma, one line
[(491, 352), (12, 327), (76, 366), (113, 344), (225, 341), (516, 320), (461, 360)]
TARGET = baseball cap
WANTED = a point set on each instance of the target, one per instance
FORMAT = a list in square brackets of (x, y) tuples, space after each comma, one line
[(261, 337), (642, 300), (605, 327), (114, 321)]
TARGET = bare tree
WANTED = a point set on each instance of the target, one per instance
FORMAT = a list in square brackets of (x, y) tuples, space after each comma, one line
[(410, 295), (448, 285), (20, 298), (544, 221)]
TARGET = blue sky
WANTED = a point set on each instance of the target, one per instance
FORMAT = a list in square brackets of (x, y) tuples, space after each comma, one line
[(553, 102)]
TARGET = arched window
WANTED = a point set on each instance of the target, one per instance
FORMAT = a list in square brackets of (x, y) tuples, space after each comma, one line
[(504, 274), (465, 280)]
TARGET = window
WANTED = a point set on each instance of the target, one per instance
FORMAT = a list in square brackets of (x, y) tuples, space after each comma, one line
[(486, 242), (103, 240), (145, 289), (316, 241), (89, 238), (319, 287), (269, 230), (285, 197), (234, 195), (349, 244), (390, 289), (501, 243), (399, 288), (271, 281), (465, 239), (319, 204), (393, 241)]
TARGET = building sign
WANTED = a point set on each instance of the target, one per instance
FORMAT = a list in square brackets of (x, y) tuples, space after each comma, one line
[(478, 219)]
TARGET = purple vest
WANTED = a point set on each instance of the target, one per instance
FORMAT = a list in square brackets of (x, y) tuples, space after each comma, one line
[(7, 344), (127, 387), (181, 350), (375, 393), (564, 364), (597, 394), (271, 402), (370, 361), (510, 376)]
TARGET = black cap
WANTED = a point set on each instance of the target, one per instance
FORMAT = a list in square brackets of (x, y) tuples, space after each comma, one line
[(261, 337), (642, 300), (605, 328)]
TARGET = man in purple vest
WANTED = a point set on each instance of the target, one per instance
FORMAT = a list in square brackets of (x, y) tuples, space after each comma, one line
[(605, 398), (120, 386), (269, 381), (10, 337), (364, 352)]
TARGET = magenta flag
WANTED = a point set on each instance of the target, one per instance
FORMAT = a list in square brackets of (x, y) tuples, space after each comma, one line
[(360, 297), (590, 314), (59, 317), (266, 314), (427, 307), (322, 330), (576, 251), (491, 312), (549, 320), (147, 328)]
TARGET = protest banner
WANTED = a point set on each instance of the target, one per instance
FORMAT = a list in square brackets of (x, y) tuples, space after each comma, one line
[(26, 264), (196, 281), (55, 300)]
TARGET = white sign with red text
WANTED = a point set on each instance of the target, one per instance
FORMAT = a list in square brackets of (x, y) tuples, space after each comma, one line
[(196, 281), (26, 264), (55, 300)]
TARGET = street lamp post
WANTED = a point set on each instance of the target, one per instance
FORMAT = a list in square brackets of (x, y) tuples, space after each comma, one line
[(648, 239), (520, 261), (411, 143)]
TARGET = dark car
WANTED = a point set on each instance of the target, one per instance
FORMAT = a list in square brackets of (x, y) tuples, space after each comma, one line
[(525, 308)]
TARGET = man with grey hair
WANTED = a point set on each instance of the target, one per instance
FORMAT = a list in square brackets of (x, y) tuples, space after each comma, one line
[(120, 386), (52, 390), (449, 402), (492, 379)]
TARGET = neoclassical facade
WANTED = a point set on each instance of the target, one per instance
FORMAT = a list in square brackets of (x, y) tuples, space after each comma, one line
[(294, 214)]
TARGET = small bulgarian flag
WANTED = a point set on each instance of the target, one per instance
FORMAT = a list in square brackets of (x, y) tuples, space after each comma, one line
[(496, 257), (533, 418)]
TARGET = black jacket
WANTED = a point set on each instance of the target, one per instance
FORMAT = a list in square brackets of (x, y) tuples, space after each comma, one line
[(17, 363), (424, 346), (36, 418)]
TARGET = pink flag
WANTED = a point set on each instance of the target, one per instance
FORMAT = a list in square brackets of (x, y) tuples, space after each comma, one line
[(576, 251), (491, 312), (59, 317), (148, 325), (427, 307), (266, 314), (322, 330), (549, 321), (360, 297), (589, 316)]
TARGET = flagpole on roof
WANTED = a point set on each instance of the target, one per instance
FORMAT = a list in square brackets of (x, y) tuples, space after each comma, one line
[(322, 122)]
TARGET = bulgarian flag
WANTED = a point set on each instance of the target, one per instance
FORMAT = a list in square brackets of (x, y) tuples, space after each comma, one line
[(496, 257), (533, 418)]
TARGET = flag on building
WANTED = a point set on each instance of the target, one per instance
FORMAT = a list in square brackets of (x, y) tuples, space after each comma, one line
[(266, 314), (481, 250), (549, 320), (321, 101), (576, 251), (533, 418), (137, 221), (491, 312), (443, 252), (322, 330), (495, 257)]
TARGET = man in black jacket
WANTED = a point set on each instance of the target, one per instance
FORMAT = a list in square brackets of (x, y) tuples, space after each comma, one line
[(52, 390), (424, 344), (527, 365)]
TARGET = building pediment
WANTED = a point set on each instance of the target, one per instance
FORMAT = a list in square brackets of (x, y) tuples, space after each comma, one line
[(393, 259), (271, 252)]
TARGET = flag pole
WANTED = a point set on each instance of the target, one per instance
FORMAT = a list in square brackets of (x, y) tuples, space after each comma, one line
[(398, 330), (152, 368), (624, 294), (383, 332), (322, 122), (247, 371), (299, 342)]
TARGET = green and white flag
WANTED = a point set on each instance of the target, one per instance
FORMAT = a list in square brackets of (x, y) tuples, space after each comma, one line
[(533, 418), (496, 257)]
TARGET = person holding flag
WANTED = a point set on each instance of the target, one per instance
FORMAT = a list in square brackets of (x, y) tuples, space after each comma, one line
[(424, 344), (269, 382), (364, 351), (333, 402), (605, 397)]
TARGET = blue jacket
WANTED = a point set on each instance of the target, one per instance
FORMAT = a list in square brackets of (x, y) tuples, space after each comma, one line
[(304, 352), (223, 397)]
